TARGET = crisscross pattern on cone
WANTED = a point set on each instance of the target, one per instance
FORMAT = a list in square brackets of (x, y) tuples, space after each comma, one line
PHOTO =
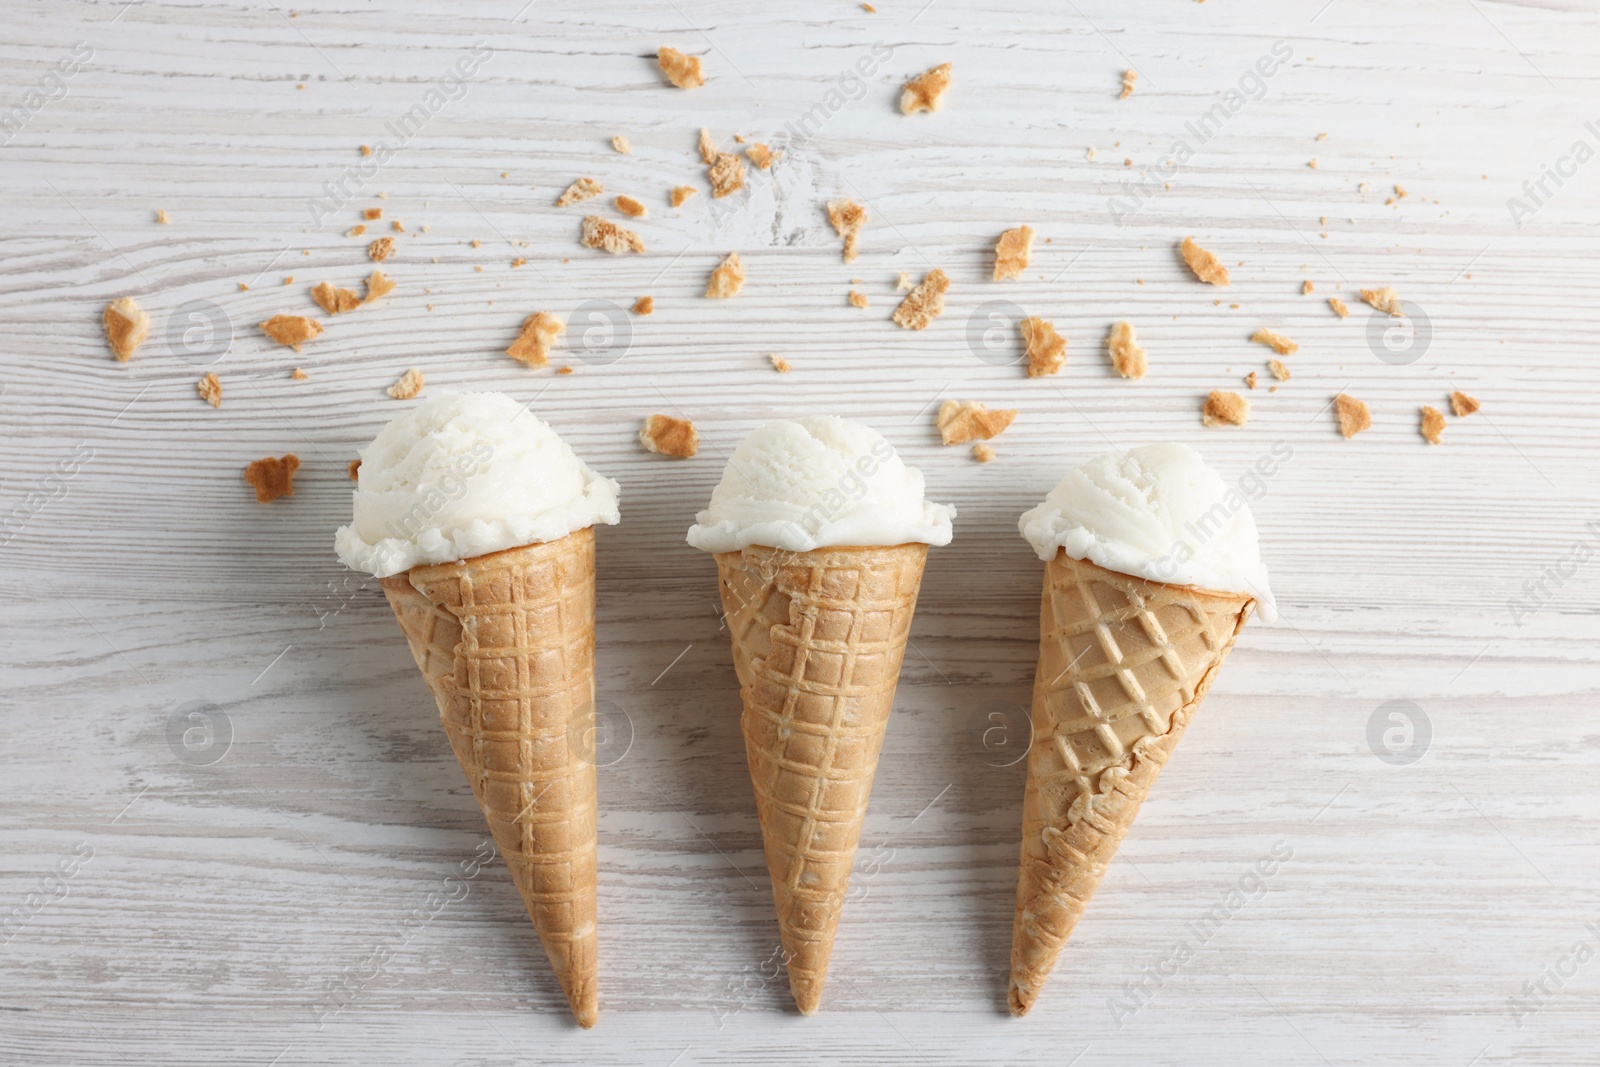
[(1123, 663), (506, 644), (817, 641)]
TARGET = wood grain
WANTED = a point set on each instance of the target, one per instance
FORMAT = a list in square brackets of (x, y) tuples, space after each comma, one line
[(230, 911)]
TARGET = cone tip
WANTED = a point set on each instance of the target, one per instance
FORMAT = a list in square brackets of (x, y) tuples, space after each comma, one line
[(807, 994), (1021, 1001)]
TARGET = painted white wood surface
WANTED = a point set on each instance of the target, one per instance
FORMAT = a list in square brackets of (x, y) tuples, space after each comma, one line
[(226, 905)]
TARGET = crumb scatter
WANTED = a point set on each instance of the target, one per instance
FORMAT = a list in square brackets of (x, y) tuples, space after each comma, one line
[(961, 421)]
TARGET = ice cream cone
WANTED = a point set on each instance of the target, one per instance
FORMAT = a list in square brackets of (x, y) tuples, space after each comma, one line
[(505, 642), (818, 638), (1123, 664)]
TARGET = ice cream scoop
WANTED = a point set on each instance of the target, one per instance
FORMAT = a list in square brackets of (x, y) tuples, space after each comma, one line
[(817, 482), (1157, 512), (462, 475)]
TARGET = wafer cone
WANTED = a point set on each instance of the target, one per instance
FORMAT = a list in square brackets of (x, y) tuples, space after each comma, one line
[(817, 642), (506, 643), (1123, 664)]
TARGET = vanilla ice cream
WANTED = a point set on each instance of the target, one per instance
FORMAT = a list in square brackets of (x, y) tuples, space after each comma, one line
[(818, 482), (462, 475), (1157, 512)]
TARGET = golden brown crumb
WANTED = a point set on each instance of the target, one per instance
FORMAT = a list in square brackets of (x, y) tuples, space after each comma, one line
[(579, 191), (1400, 191), (1047, 349), (161, 216), (924, 303), (564, 371), (869, 9), (1277, 341), (243, 287), (381, 249), (630, 207), (334, 300), (356, 231), (1127, 357), (620, 143), (858, 299), (1279, 371), (926, 91), (681, 70), (126, 325), (1206, 266), (982, 452), (288, 280), (1462, 404), (1225, 409), (292, 330), (1128, 78), (378, 284), (727, 279), (354, 470), (396, 226), (961, 421), (475, 243), (366, 150), (1306, 287), (1012, 252), (667, 436), (409, 385), (680, 193), (708, 147), (1322, 136), (1339, 307), (1385, 300), (298, 375), (644, 305), (372, 213), (608, 236), (847, 218), (1250, 379), (1432, 424), (726, 173), (779, 364), (1312, 163), (272, 478), (904, 283), (761, 155), (1353, 414), (210, 389), (520, 261), (539, 333)]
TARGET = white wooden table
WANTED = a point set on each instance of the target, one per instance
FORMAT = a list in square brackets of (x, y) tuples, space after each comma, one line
[(263, 896)]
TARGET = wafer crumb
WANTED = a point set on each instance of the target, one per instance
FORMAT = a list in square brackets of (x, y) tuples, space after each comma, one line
[(538, 336), (1400, 191), (847, 218), (1279, 371), (396, 226), (372, 213), (726, 173), (366, 150), (780, 364), (924, 303), (161, 217), (960, 421), (378, 285), (1250, 379), (1012, 252), (982, 452), (620, 143), (1306, 287), (869, 9), (727, 279), (1339, 307), (1385, 300), (1432, 424), (564, 371), (272, 477), (334, 300), (1462, 404), (708, 147), (1276, 341), (630, 207), (681, 70), (680, 193), (858, 299), (644, 305), (210, 389), (1353, 414), (607, 236), (1206, 266), (356, 230), (926, 91), (1127, 357), (904, 283), (409, 385), (761, 155), (1047, 349), (1129, 77), (667, 436), (126, 325), (579, 191), (298, 375), (292, 330), (381, 249), (1225, 409), (354, 470)]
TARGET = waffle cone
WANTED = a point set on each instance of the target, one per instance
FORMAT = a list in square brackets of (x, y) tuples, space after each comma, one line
[(505, 642), (1123, 664), (817, 642)]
